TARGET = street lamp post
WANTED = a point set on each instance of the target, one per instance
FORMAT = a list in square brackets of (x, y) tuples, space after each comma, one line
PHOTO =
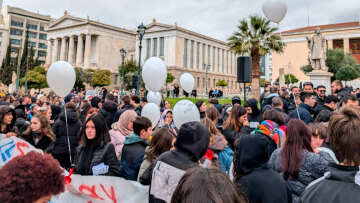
[(123, 54), (141, 32), (92, 80), (27, 69), (207, 68), (18, 73)]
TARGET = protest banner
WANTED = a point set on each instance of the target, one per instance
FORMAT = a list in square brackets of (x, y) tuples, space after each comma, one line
[(89, 189)]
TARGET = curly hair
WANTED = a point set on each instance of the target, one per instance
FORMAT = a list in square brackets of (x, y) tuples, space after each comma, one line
[(31, 177), (45, 127)]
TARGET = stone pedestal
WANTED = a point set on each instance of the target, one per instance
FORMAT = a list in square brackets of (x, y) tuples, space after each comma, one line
[(321, 78)]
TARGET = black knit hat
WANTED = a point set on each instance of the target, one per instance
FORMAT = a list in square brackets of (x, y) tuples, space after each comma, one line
[(94, 102)]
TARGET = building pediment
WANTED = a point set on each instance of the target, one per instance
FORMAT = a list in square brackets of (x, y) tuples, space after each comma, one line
[(154, 27), (66, 21)]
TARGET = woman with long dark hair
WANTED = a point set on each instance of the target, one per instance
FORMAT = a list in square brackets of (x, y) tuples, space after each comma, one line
[(162, 141), (96, 155), (236, 125), (297, 161)]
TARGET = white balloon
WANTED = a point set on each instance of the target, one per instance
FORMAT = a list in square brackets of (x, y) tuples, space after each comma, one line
[(187, 82), (185, 111), (61, 78), (154, 97), (154, 73), (146, 87), (274, 10), (152, 112)]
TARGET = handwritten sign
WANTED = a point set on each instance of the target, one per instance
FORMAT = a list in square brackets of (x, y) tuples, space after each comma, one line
[(12, 147), (103, 189)]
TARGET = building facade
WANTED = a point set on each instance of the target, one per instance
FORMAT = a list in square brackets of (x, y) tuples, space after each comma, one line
[(186, 51), (89, 44), (13, 25), (344, 36)]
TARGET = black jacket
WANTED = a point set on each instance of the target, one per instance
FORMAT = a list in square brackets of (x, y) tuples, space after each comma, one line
[(342, 93), (305, 112), (340, 185), (138, 110), (20, 122), (59, 129), (253, 176), (122, 110), (231, 136), (45, 143), (191, 144), (108, 110), (105, 153)]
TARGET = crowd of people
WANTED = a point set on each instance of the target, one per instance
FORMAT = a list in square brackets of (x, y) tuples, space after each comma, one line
[(294, 145)]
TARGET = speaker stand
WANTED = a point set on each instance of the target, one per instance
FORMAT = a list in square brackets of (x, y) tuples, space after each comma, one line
[(244, 92)]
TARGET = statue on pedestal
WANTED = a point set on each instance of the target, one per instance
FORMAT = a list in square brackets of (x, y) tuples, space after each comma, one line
[(317, 47)]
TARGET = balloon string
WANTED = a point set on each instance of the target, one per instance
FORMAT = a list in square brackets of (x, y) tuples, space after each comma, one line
[(297, 109), (67, 133)]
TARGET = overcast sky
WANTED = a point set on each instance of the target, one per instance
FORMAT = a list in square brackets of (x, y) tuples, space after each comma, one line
[(214, 18)]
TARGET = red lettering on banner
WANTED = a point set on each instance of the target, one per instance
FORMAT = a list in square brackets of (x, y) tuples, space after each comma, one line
[(91, 190), (20, 145), (112, 197), (68, 186)]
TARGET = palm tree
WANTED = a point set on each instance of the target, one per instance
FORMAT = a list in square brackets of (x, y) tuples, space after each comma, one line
[(255, 38)]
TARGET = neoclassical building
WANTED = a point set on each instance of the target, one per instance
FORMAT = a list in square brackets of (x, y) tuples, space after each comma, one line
[(91, 44), (186, 51)]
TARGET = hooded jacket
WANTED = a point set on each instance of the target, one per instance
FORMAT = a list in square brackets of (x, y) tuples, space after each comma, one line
[(10, 127), (108, 110), (132, 156), (55, 112), (256, 115), (258, 182), (59, 129), (339, 185), (231, 135), (191, 144)]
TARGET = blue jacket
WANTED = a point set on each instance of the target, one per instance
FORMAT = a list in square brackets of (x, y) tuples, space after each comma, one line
[(305, 112), (132, 156)]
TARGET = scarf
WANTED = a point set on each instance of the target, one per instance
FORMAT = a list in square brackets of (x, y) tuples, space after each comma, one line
[(124, 120), (84, 163), (272, 130)]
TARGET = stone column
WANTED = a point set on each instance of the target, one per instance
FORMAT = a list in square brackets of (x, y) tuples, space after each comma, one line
[(330, 44), (346, 45), (71, 50), (87, 51), (80, 51), (56, 48), (48, 53), (62, 50)]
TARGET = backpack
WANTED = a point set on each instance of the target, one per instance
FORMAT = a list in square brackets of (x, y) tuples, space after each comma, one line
[(226, 158)]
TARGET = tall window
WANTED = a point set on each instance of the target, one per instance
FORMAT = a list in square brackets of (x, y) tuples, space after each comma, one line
[(227, 61), (213, 64), (218, 60), (155, 47), (32, 35), (42, 53), (42, 28), (214, 84), (31, 44), (203, 82), (148, 48), (185, 52), (198, 81), (197, 55), (192, 54), (208, 54), (222, 61), (162, 41), (203, 54)]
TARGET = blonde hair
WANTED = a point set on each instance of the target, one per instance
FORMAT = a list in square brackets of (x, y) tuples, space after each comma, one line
[(45, 127)]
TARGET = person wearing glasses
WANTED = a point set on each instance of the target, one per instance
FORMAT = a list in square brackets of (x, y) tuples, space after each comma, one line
[(320, 98)]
